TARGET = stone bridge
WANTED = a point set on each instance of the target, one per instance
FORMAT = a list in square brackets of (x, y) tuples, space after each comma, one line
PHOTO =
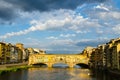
[(51, 59)]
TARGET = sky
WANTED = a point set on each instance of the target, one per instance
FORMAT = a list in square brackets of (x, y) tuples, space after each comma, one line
[(59, 26)]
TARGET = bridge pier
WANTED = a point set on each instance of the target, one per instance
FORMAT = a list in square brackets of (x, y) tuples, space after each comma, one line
[(71, 65), (49, 65)]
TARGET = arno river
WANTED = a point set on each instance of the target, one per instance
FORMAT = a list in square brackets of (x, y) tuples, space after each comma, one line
[(57, 74)]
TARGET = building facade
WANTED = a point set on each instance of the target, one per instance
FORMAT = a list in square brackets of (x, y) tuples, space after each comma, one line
[(106, 56)]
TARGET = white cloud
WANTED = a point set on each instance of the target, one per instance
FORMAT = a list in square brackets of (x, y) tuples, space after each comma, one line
[(115, 15), (92, 42), (109, 15), (15, 34), (62, 42), (52, 37), (99, 23), (67, 35), (58, 20), (75, 45), (116, 29), (82, 32), (102, 6), (54, 45), (61, 36)]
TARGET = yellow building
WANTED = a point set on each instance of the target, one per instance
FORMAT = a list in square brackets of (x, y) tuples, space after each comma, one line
[(101, 57), (8, 49), (20, 46), (16, 54), (19, 54), (24, 54), (97, 58), (92, 59), (112, 51), (87, 51), (30, 50), (2, 53), (35, 51), (108, 53), (116, 55)]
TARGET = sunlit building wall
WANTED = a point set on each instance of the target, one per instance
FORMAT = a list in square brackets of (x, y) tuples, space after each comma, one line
[(87, 51), (2, 53), (21, 47), (116, 55), (101, 57), (92, 59)]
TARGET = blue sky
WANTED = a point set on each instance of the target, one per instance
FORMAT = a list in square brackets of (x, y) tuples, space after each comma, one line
[(59, 26)]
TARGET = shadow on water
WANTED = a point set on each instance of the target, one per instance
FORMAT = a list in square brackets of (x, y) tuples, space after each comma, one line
[(18, 75), (103, 75)]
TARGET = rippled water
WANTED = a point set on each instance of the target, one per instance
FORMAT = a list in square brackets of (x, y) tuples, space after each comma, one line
[(56, 74)]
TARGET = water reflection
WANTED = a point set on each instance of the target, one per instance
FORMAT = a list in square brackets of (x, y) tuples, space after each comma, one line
[(60, 65), (19, 75), (104, 75), (57, 74), (79, 74)]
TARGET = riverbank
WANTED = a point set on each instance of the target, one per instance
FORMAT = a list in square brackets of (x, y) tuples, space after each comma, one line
[(13, 67)]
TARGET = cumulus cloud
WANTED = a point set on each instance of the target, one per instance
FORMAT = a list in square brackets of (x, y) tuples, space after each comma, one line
[(52, 37), (109, 15), (67, 35), (82, 32), (61, 36), (80, 43), (64, 20), (68, 45), (62, 42), (8, 8), (116, 29), (16, 33), (54, 46), (92, 42), (102, 7), (106, 15), (75, 45)]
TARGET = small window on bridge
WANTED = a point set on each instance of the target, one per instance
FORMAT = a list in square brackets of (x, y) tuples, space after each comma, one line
[(61, 59)]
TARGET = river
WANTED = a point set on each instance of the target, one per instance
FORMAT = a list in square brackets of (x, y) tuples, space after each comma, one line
[(56, 74)]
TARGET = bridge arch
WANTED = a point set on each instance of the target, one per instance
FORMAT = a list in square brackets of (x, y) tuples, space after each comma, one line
[(61, 65), (40, 65), (82, 65)]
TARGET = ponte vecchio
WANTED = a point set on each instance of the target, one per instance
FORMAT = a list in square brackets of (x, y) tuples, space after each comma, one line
[(50, 59)]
